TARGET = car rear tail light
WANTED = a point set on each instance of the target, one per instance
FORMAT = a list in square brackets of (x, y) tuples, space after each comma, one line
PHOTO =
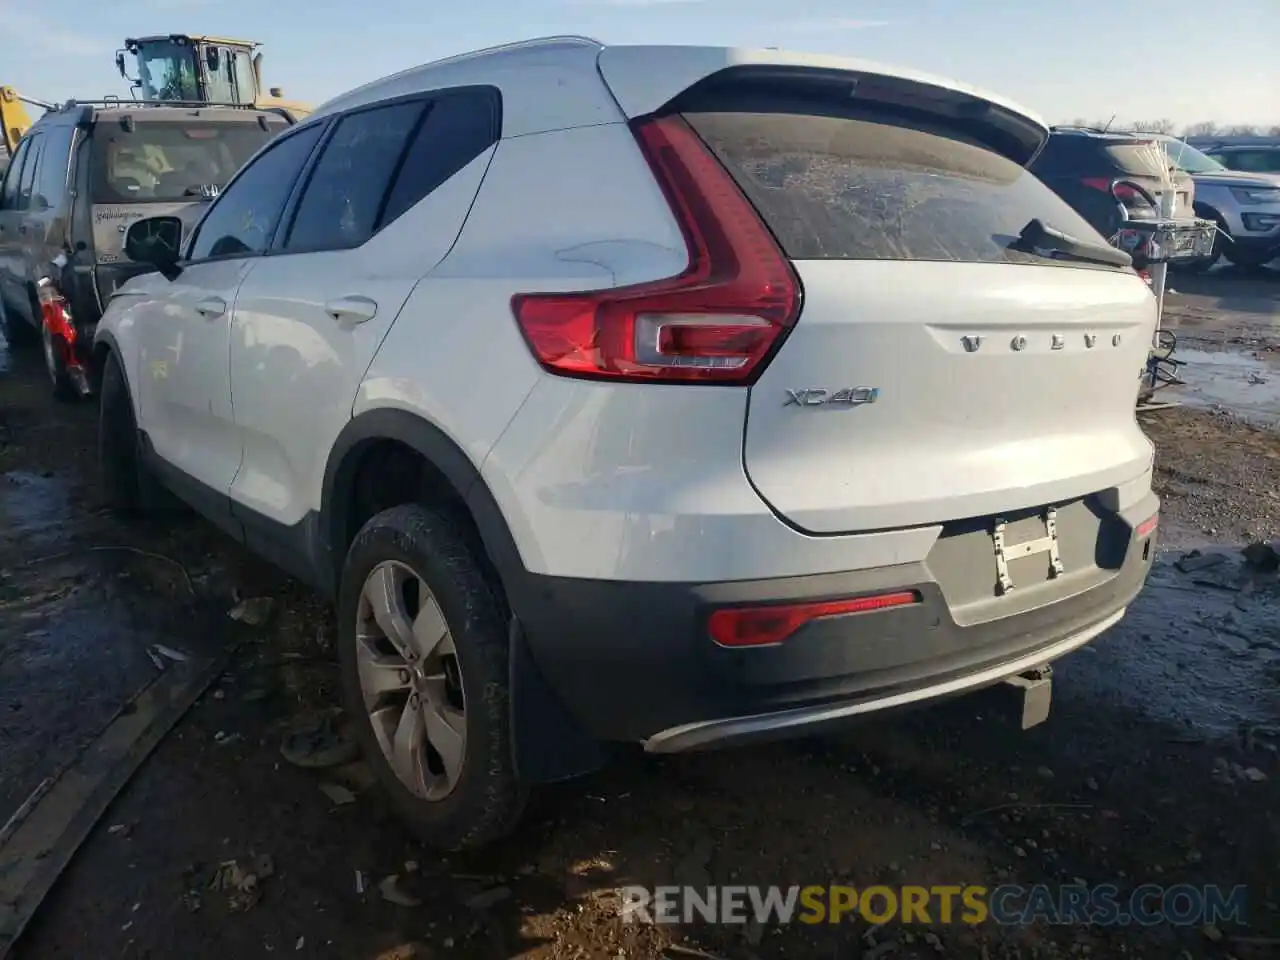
[(717, 322), (55, 313), (1123, 192), (767, 625)]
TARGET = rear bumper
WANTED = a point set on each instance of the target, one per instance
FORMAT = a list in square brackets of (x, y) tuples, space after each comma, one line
[(634, 661)]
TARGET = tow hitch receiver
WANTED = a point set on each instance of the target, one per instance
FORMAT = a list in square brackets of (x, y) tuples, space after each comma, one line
[(1035, 689)]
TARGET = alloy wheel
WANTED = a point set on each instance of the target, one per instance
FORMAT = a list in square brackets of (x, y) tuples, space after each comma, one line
[(411, 680)]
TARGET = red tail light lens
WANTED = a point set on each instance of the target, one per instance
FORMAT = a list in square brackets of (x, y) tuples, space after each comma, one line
[(1147, 527), (55, 313), (717, 322), (763, 626), (1123, 192)]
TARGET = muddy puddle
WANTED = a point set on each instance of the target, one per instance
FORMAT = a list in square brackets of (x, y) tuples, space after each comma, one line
[(1199, 651), (76, 622), (1247, 385)]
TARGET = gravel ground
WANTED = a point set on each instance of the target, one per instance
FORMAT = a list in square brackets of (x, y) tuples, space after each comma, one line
[(1159, 763)]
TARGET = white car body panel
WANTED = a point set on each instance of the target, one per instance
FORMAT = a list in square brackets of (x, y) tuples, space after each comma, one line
[(628, 482), (953, 433), (181, 384), (285, 345)]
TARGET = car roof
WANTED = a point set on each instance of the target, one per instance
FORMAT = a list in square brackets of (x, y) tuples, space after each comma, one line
[(74, 112), (554, 82), (1112, 136)]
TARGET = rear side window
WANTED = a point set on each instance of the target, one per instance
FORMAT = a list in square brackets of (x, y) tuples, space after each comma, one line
[(1137, 159), (51, 178), (168, 161), (1252, 161), (343, 196), (381, 162), (848, 185), (460, 127)]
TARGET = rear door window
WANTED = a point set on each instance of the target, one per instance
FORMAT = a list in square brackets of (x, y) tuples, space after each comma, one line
[(243, 221), (171, 162), (13, 176), (853, 185), (27, 185)]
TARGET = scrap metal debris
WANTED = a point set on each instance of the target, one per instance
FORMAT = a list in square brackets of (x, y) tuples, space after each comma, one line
[(242, 881), (1195, 560), (392, 892), (254, 612), (337, 793), (319, 747)]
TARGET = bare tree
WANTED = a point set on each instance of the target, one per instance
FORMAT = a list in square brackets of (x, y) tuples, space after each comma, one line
[(1163, 125), (1274, 131), (1242, 130), (1206, 128)]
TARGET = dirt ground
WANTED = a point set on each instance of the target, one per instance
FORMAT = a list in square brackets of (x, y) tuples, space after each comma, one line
[(1159, 763)]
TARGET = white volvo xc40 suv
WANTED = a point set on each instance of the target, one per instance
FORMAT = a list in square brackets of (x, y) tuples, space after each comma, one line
[(679, 396)]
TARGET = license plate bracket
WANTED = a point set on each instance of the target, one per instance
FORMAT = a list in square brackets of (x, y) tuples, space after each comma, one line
[(1005, 552)]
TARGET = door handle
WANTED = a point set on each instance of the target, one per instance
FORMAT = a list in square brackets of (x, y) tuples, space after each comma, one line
[(350, 311), (211, 307)]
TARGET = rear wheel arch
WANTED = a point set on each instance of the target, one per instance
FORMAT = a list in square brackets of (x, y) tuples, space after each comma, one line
[(448, 476)]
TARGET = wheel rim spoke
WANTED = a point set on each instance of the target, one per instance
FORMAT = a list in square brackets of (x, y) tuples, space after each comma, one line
[(385, 593), (446, 729), (380, 675), (410, 681), (429, 627), (407, 754)]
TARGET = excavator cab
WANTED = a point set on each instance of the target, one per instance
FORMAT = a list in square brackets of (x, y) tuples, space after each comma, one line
[(186, 69)]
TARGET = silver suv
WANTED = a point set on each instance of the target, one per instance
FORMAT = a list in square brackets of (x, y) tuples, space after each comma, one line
[(1246, 207), (670, 395)]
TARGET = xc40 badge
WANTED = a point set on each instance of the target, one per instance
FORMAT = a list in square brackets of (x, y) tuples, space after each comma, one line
[(821, 397)]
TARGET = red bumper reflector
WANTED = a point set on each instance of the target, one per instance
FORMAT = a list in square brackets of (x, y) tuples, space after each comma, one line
[(762, 626), (1147, 527)]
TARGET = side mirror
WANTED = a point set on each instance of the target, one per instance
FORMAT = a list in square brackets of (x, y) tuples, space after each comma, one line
[(157, 241), (120, 63)]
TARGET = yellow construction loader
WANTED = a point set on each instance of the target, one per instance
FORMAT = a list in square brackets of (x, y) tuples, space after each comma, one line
[(14, 121), (188, 69)]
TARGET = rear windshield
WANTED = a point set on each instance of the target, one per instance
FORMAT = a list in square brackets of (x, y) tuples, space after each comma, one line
[(877, 188), (1144, 159), (170, 162)]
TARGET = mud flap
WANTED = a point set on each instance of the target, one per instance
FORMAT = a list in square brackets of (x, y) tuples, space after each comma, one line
[(1033, 690), (547, 743)]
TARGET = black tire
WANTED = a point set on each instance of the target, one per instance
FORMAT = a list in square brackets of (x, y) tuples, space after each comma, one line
[(15, 331), (63, 388), (488, 799), (128, 487)]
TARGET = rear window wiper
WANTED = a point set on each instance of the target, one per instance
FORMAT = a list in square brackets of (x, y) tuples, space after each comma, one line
[(1038, 235)]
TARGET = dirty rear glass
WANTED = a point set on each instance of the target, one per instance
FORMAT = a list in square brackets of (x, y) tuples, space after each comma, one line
[(170, 162), (876, 188)]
